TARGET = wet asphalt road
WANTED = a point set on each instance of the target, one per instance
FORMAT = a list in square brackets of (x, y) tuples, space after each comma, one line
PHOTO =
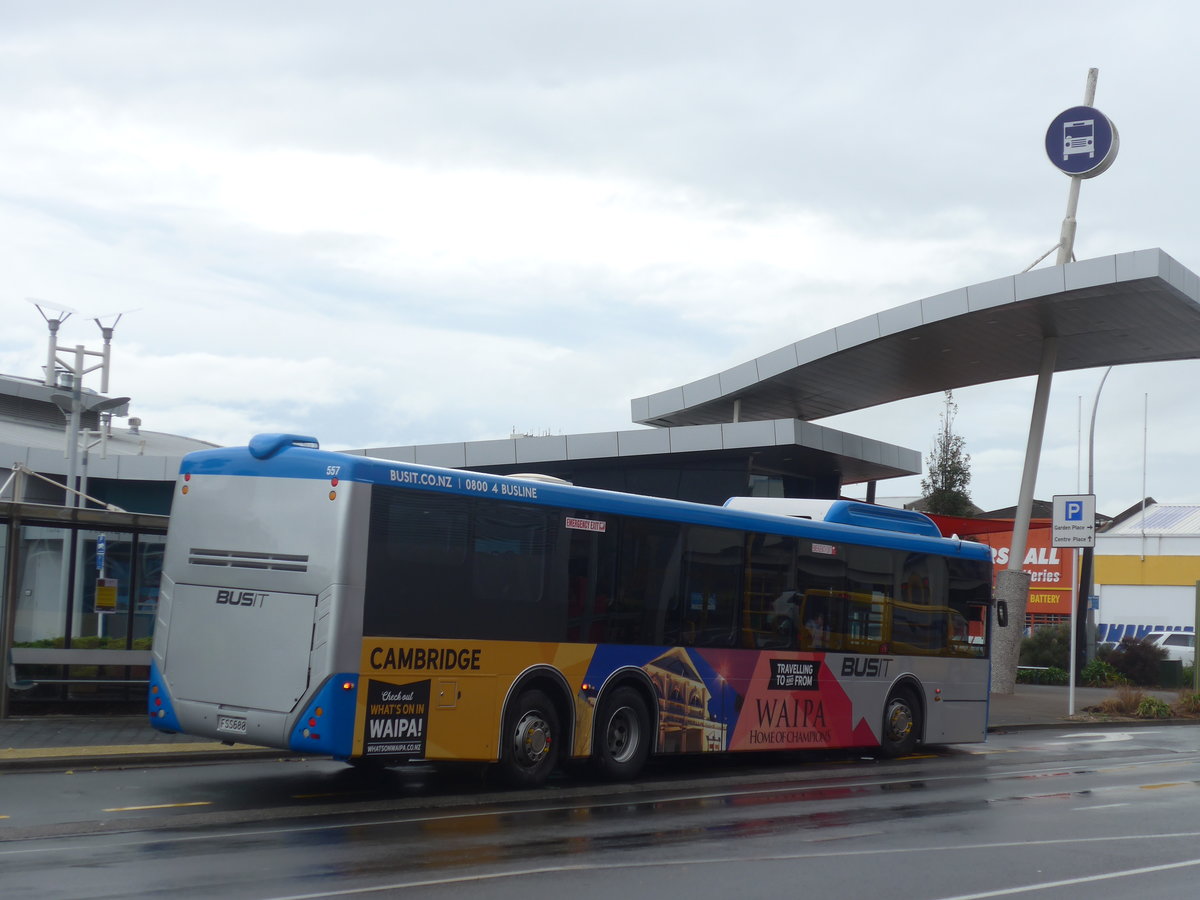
[(1057, 814)]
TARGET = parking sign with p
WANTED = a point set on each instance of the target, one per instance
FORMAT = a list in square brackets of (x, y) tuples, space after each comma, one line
[(1074, 522)]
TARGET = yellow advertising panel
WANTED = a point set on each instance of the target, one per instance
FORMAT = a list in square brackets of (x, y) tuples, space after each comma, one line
[(106, 595), (435, 699)]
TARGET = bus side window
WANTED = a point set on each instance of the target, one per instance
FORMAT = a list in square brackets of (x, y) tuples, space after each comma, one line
[(917, 629), (864, 625), (969, 595), (819, 616), (712, 572), (512, 552), (820, 576), (647, 581), (591, 559), (770, 602), (871, 571), (416, 552)]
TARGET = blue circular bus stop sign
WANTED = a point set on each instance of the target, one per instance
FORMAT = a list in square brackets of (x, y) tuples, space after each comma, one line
[(1082, 141)]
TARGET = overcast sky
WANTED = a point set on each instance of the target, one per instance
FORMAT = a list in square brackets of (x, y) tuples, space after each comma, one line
[(407, 223)]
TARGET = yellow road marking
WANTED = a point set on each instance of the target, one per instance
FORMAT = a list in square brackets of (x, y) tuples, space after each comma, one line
[(1155, 787), (118, 750), (158, 806)]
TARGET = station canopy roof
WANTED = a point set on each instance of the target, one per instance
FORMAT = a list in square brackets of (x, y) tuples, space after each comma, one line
[(1134, 307)]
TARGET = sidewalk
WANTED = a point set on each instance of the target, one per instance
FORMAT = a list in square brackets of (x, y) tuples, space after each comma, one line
[(40, 742), (73, 741), (1041, 706)]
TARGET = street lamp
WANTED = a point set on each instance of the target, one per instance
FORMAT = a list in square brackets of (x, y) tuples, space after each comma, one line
[(73, 405), (1085, 649)]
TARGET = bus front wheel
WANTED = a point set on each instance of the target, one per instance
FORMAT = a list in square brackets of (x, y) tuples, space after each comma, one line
[(901, 724), (622, 735), (531, 734)]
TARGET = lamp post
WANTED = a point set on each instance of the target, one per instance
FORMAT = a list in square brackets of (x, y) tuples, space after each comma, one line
[(1084, 649), (73, 405)]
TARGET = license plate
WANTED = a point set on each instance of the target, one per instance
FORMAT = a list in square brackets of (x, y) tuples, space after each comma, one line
[(231, 724)]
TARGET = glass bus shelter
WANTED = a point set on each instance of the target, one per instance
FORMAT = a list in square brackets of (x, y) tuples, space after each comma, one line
[(80, 591)]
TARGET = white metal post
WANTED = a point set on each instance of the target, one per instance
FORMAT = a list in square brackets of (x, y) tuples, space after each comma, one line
[(1066, 237)]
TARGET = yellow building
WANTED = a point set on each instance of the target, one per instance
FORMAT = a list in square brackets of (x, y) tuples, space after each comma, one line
[(1146, 572)]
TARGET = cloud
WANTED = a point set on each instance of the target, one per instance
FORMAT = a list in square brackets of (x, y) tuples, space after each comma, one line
[(389, 224)]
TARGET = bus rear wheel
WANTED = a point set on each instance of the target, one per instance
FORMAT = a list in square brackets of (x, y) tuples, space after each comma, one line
[(529, 751), (901, 724), (622, 740)]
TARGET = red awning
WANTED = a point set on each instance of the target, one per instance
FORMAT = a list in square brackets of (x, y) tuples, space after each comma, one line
[(965, 527)]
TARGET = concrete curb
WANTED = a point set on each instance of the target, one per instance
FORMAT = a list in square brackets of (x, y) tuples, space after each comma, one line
[(53, 758), (1088, 723)]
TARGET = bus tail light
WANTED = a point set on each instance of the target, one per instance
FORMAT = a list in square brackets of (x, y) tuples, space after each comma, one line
[(161, 711), (327, 722)]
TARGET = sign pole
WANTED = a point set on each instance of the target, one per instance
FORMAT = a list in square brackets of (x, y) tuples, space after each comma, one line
[(1196, 630), (1082, 143), (1073, 525), (1074, 641), (1066, 238)]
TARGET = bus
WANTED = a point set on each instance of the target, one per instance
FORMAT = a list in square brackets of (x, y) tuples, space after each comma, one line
[(382, 612)]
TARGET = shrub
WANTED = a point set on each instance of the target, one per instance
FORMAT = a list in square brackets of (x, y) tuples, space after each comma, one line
[(1152, 708), (1124, 702), (1099, 673), (1051, 675), (1137, 660), (1047, 646), (87, 642), (1188, 704)]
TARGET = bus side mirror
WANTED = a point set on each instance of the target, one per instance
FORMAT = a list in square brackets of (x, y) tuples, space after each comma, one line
[(1002, 613)]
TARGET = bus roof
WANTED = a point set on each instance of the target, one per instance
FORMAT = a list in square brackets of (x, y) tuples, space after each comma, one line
[(847, 512), (300, 456)]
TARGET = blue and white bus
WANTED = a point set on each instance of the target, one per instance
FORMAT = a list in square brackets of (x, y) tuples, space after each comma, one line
[(383, 612)]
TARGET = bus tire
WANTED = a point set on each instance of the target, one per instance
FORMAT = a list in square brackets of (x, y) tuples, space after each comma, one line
[(622, 739), (529, 751), (901, 723)]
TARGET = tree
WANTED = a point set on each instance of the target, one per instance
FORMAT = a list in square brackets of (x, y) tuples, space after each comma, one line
[(945, 489)]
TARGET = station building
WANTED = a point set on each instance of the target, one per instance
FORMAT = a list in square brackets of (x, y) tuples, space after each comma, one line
[(748, 431), (80, 628)]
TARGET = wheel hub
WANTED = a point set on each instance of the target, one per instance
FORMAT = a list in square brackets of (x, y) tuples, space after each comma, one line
[(900, 722), (533, 738), (622, 735)]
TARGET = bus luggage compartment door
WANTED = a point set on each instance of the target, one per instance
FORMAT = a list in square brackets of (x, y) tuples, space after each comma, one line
[(243, 648)]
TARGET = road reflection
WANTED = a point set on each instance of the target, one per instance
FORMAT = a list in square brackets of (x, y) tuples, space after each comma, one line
[(489, 838)]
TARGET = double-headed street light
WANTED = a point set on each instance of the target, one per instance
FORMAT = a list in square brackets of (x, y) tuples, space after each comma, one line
[(74, 405)]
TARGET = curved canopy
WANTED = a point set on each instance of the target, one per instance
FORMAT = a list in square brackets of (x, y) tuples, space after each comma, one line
[(1126, 308)]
